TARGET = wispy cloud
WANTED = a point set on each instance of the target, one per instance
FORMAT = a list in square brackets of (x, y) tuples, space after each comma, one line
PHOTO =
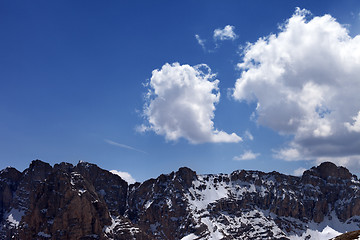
[(248, 135), (200, 41), (124, 146), (248, 155)]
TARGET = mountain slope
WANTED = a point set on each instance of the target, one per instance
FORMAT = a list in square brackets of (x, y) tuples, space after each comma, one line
[(87, 202), (354, 235)]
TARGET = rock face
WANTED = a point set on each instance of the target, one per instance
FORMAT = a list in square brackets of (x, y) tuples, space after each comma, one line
[(87, 202), (63, 202)]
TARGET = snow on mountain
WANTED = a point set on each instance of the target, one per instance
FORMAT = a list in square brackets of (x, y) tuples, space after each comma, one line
[(85, 201)]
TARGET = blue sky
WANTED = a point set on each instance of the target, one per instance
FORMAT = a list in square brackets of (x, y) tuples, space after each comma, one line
[(75, 78)]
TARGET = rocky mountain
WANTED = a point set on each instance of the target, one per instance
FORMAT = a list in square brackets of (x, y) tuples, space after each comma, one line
[(87, 202)]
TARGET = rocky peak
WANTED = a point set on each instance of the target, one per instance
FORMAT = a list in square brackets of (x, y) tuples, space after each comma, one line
[(64, 167), (62, 202), (329, 169), (39, 164), (38, 170), (11, 174), (9, 178), (187, 175), (105, 183)]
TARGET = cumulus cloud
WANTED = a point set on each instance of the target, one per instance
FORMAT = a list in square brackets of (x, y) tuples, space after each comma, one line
[(355, 126), (351, 162), (181, 104), (200, 41), (227, 33), (124, 175), (305, 80), (288, 154), (248, 155)]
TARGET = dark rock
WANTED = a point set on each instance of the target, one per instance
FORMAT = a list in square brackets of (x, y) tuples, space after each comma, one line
[(328, 169), (186, 175), (87, 202)]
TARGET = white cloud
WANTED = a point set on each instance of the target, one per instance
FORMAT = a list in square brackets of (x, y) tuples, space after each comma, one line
[(181, 104), (351, 162), (355, 127), (305, 80), (225, 34), (124, 175), (249, 136), (299, 171), (288, 154), (248, 155), (200, 41), (123, 146)]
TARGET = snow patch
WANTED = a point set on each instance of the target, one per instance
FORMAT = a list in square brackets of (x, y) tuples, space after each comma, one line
[(119, 225), (209, 192), (81, 192), (190, 237), (169, 202), (330, 226), (14, 216), (326, 234), (213, 229), (148, 204)]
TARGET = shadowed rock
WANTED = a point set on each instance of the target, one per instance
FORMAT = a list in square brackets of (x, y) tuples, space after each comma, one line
[(87, 202)]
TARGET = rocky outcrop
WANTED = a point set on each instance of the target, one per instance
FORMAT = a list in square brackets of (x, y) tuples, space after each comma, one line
[(9, 179), (87, 202), (110, 187), (65, 206), (158, 205), (328, 170), (63, 202)]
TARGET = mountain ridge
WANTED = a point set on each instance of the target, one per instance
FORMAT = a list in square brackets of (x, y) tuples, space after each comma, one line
[(84, 201)]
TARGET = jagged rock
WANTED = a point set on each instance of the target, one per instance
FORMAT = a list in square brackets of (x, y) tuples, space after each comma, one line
[(87, 202), (186, 175), (329, 170), (158, 205), (9, 178), (64, 202), (65, 206), (109, 186)]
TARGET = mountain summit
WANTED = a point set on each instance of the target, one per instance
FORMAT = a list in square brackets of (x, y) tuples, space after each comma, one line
[(86, 202)]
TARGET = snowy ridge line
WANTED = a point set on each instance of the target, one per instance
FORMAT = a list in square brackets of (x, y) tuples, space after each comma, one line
[(249, 205)]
